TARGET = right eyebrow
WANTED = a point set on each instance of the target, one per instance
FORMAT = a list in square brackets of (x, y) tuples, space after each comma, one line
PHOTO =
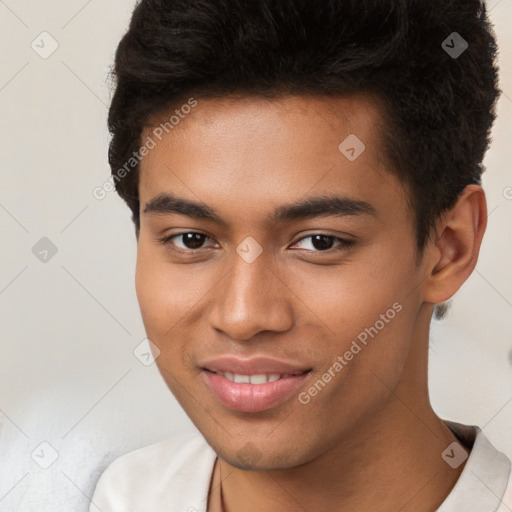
[(166, 203)]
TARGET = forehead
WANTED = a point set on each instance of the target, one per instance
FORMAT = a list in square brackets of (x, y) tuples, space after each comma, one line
[(251, 152), (252, 120)]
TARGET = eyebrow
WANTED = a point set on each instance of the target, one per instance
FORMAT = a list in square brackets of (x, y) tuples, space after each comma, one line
[(319, 206)]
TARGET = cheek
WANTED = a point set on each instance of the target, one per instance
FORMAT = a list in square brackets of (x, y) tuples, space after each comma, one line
[(352, 296), (168, 294), (146, 287), (378, 309), (368, 302), (156, 291), (163, 304)]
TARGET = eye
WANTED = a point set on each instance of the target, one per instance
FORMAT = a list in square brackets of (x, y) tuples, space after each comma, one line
[(323, 243), (192, 241), (188, 241)]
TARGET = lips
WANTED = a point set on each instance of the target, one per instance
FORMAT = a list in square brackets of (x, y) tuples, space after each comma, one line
[(254, 366), (253, 385)]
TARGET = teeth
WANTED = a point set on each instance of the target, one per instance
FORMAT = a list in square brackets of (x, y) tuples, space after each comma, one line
[(251, 379), (258, 379)]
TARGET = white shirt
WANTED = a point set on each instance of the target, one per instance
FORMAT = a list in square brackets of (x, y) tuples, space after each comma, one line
[(174, 476)]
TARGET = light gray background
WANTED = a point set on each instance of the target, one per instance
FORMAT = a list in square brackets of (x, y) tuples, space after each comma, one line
[(68, 375)]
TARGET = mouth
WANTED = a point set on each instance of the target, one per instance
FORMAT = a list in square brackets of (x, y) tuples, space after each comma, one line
[(253, 392)]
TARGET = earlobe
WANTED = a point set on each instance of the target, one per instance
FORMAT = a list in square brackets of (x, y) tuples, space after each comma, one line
[(456, 245)]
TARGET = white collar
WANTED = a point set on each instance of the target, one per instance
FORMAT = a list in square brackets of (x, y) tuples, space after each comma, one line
[(485, 482)]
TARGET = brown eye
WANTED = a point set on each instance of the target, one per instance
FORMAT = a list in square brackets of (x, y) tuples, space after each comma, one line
[(193, 240), (186, 242), (323, 243)]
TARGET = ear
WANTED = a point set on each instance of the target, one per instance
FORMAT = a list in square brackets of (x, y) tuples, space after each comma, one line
[(453, 250)]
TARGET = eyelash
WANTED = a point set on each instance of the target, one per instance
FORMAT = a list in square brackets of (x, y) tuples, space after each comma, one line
[(344, 244)]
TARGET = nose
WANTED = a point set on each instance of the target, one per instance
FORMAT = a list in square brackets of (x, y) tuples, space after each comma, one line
[(251, 298)]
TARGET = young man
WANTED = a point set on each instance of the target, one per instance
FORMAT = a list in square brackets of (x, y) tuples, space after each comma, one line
[(304, 178)]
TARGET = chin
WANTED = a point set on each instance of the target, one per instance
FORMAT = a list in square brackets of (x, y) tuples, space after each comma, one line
[(248, 457)]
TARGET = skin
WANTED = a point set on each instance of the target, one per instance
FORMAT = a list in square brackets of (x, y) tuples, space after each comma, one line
[(370, 439)]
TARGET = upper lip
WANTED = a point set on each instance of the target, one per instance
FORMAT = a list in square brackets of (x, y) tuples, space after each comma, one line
[(253, 366)]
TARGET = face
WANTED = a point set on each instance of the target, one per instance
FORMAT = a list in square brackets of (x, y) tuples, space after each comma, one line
[(274, 245)]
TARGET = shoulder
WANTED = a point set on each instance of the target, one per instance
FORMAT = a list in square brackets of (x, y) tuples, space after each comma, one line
[(169, 475), (485, 483)]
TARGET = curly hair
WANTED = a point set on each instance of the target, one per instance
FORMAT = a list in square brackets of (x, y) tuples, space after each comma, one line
[(439, 105)]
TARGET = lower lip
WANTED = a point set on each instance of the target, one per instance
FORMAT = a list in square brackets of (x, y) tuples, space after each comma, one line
[(252, 397)]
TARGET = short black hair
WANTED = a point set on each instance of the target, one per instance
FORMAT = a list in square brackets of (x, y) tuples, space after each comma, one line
[(438, 96)]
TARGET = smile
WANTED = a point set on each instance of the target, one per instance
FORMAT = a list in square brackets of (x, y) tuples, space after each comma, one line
[(253, 393)]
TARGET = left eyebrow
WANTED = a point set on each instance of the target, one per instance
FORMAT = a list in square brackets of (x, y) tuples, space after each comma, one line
[(320, 206), (323, 206)]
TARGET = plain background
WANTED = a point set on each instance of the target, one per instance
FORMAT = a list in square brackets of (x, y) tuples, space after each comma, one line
[(69, 326)]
